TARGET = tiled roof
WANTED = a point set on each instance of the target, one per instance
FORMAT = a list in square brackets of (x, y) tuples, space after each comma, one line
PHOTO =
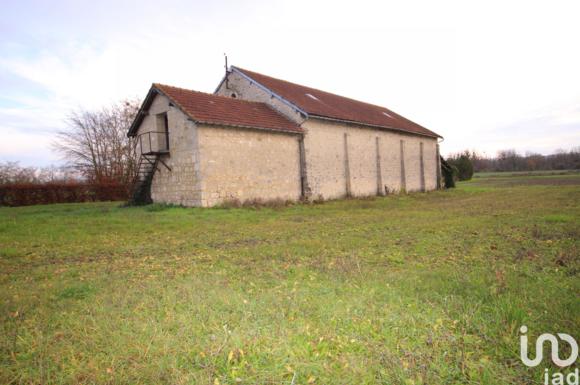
[(214, 109), (324, 104), (220, 110)]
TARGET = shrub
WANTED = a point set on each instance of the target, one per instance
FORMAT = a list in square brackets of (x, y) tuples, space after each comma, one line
[(463, 165), (449, 173), (47, 193)]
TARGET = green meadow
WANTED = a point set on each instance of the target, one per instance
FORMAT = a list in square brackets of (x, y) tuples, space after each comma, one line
[(425, 288)]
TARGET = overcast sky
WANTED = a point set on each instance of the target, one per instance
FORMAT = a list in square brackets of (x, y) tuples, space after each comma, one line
[(485, 75)]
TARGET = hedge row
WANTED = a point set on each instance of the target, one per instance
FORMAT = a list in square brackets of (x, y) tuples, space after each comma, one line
[(39, 194)]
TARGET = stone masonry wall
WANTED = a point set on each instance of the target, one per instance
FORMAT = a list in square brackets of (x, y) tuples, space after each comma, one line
[(325, 160), (246, 164), (182, 184)]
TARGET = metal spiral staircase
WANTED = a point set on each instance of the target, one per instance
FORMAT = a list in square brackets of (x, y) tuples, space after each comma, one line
[(153, 146)]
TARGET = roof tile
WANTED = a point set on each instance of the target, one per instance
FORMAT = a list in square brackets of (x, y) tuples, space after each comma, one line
[(325, 104), (214, 109)]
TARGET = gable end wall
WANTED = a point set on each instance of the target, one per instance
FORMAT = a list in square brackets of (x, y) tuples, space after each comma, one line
[(247, 90), (181, 185)]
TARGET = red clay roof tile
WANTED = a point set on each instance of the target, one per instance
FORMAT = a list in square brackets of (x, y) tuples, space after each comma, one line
[(324, 104), (214, 109)]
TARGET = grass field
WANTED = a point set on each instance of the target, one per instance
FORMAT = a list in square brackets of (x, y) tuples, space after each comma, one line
[(509, 174), (415, 289)]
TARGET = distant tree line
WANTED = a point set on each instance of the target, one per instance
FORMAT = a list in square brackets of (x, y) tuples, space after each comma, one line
[(14, 173), (468, 162)]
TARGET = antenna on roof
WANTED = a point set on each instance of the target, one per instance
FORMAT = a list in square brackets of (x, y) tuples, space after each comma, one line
[(227, 70)]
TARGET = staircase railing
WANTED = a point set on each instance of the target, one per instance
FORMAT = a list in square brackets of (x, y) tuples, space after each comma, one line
[(141, 189), (153, 147), (153, 142)]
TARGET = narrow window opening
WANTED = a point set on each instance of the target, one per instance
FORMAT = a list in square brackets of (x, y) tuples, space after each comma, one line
[(163, 131)]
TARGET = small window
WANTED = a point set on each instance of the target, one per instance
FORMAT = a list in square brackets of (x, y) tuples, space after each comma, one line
[(233, 95)]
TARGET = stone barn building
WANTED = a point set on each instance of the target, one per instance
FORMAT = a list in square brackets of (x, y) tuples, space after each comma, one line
[(262, 138)]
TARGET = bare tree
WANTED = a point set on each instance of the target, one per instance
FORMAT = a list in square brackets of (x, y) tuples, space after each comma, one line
[(96, 142), (12, 172)]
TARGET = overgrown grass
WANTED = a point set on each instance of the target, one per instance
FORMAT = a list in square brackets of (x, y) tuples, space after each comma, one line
[(413, 289)]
